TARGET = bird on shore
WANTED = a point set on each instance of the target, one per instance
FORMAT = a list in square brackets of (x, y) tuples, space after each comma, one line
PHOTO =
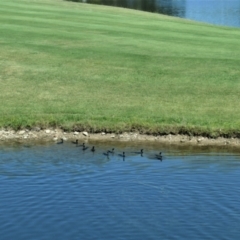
[(61, 141)]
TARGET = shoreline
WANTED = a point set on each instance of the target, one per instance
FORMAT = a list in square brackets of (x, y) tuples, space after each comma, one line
[(55, 135)]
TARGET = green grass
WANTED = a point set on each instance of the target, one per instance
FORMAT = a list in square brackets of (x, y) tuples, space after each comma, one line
[(100, 68)]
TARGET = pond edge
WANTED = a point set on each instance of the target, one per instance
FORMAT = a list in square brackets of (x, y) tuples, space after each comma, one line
[(56, 134)]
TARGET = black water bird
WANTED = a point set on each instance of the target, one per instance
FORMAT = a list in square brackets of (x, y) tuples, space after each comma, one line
[(93, 149), (141, 152), (81, 145), (122, 155), (75, 142), (84, 148), (61, 141), (159, 156), (106, 153), (27, 146), (111, 151)]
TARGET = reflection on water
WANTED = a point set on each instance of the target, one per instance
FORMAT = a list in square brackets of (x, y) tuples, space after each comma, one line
[(51, 191), (219, 12), (168, 7)]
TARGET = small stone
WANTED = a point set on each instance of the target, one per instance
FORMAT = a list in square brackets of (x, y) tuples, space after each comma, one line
[(47, 131), (75, 133), (37, 129), (64, 139), (113, 136), (103, 133), (199, 140), (21, 132), (85, 134), (55, 139)]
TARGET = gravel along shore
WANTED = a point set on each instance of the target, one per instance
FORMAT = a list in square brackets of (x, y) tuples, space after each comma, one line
[(56, 134)]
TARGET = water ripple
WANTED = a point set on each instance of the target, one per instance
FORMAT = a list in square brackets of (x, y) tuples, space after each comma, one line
[(53, 192)]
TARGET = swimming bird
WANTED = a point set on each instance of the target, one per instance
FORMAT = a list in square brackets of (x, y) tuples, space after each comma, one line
[(84, 148), (82, 145), (93, 149), (75, 142), (122, 155), (106, 154), (111, 151), (141, 152), (61, 141), (159, 156)]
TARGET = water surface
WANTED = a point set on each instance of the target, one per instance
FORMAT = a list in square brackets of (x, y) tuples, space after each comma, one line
[(219, 12), (52, 191)]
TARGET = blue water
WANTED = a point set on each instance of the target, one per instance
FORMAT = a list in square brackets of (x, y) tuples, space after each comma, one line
[(218, 12), (50, 191)]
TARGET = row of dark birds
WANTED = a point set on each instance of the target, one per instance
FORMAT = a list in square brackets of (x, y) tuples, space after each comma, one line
[(110, 152)]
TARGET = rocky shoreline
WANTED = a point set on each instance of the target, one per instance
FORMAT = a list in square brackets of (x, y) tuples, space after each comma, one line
[(38, 134)]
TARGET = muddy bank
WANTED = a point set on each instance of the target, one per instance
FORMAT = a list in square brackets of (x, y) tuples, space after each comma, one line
[(56, 134)]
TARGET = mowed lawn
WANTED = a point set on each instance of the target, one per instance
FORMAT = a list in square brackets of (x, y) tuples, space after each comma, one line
[(77, 65)]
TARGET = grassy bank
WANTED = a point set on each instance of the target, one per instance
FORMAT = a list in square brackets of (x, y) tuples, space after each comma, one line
[(101, 68)]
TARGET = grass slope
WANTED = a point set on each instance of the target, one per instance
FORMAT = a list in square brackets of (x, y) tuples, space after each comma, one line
[(101, 68)]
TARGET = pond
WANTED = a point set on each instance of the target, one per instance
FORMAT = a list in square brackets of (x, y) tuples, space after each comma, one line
[(219, 12), (60, 191)]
